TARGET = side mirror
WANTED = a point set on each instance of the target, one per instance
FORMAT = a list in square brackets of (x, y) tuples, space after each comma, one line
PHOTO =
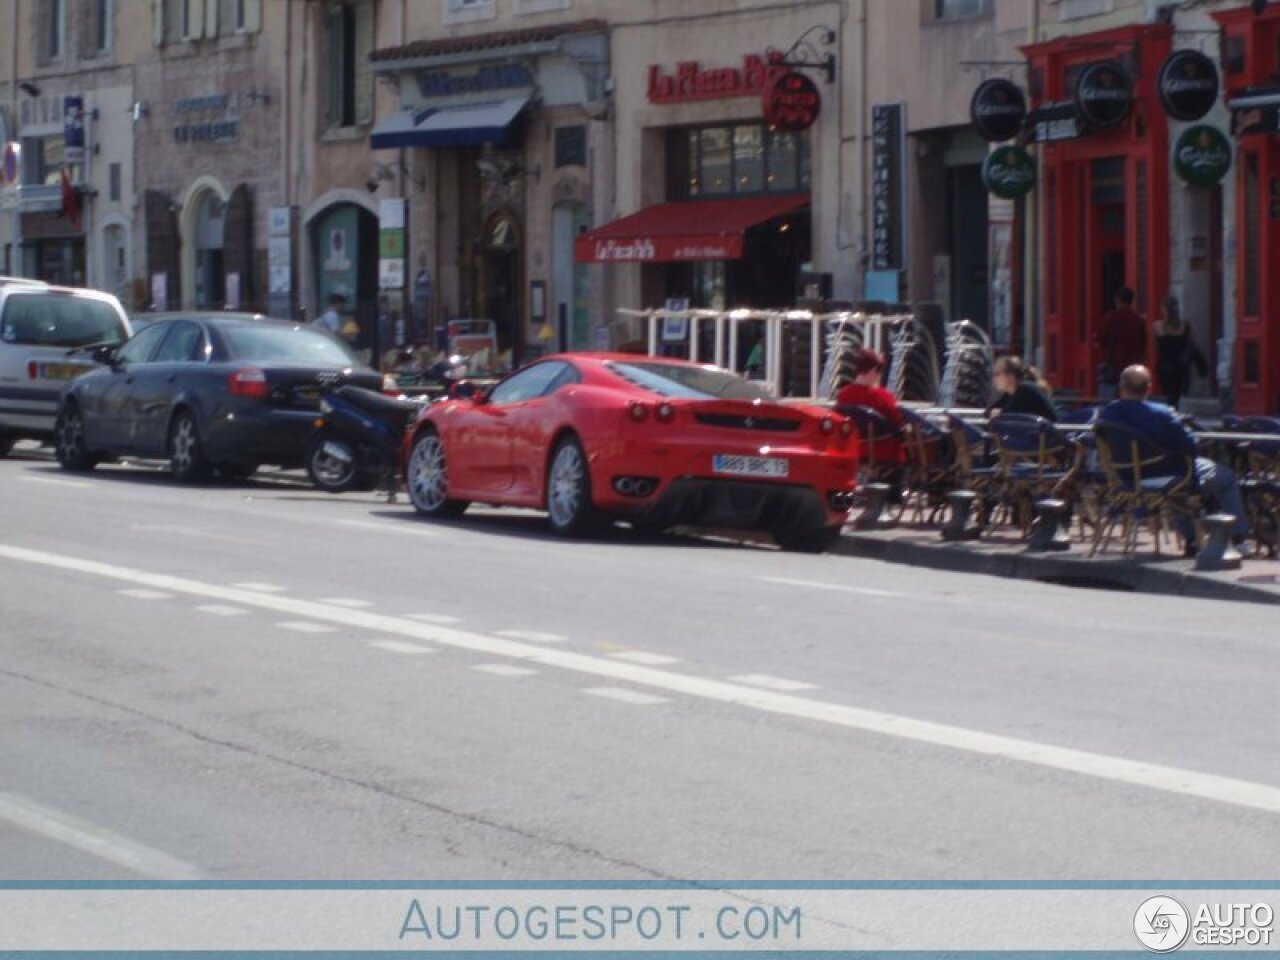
[(467, 390), (104, 355)]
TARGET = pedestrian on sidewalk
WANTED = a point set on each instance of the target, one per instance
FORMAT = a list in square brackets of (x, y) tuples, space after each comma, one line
[(331, 320), (1021, 389), (1176, 353), (1121, 341)]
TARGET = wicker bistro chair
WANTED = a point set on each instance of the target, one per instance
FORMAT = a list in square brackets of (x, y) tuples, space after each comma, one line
[(1145, 484), (1036, 460), (975, 467), (880, 446), (931, 468), (1260, 482)]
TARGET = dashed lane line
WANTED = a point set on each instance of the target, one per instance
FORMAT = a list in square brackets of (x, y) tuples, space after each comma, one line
[(436, 618), (504, 670), (349, 602), (1136, 773), (622, 695), (396, 646), (830, 587), (305, 626), (260, 587), (646, 659), (532, 636), (766, 682), (222, 610), (145, 594)]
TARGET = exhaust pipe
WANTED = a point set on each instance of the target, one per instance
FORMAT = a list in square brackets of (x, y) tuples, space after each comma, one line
[(625, 486)]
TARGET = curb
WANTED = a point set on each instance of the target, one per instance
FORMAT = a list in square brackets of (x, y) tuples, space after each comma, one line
[(1056, 568)]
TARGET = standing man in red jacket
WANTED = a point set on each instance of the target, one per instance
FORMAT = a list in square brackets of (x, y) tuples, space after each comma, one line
[(1121, 341)]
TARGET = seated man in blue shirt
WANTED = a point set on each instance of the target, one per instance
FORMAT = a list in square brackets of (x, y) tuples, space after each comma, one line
[(1162, 428)]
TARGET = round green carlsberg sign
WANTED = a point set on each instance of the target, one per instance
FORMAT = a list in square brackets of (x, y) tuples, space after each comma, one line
[(1202, 155), (1009, 172)]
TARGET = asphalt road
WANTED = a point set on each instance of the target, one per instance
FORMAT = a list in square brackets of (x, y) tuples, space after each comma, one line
[(258, 681)]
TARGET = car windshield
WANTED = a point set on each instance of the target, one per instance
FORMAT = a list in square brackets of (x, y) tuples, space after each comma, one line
[(52, 320), (691, 382), (282, 344)]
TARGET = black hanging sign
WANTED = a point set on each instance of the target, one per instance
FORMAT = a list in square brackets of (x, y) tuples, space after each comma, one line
[(998, 109), (1104, 95), (1189, 85)]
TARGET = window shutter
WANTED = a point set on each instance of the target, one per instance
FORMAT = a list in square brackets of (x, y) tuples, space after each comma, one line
[(333, 100), (195, 19), (89, 32), (211, 17), (237, 242), (157, 22), (364, 69), (252, 16)]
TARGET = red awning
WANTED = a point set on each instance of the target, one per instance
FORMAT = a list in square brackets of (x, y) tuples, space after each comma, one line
[(676, 232)]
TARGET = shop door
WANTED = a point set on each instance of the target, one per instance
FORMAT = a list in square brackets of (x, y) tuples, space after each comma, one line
[(500, 288), (1105, 259)]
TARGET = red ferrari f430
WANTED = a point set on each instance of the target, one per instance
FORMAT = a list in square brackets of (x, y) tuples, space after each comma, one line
[(660, 443)]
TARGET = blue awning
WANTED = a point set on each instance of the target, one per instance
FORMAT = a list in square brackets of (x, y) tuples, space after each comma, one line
[(469, 125)]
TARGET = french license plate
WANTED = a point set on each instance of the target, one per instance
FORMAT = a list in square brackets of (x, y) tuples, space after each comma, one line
[(734, 465), (61, 371)]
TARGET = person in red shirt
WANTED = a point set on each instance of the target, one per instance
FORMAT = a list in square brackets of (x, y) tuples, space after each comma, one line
[(1122, 339), (865, 391)]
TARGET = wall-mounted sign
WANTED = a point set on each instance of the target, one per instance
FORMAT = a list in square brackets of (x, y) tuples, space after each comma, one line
[(1104, 95), (1009, 172), (502, 76), (208, 119), (12, 166), (390, 274), (73, 129), (1189, 85), (280, 221), (998, 109), (791, 103), (1202, 155), (691, 82), (888, 129)]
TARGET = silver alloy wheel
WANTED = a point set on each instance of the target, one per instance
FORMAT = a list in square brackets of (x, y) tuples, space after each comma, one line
[(566, 485), (331, 471), (183, 446), (70, 436), (428, 477)]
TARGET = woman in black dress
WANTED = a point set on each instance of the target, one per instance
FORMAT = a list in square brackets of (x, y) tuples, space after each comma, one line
[(1176, 353), (1021, 390)]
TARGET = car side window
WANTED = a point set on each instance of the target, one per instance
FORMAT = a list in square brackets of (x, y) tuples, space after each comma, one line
[(139, 349), (528, 384), (569, 375), (184, 344)]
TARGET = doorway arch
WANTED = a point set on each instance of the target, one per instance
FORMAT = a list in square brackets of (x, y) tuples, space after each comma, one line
[(201, 226)]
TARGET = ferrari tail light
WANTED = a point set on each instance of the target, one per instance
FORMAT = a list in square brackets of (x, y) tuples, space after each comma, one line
[(828, 426), (249, 383), (637, 411), (666, 413), (846, 428)]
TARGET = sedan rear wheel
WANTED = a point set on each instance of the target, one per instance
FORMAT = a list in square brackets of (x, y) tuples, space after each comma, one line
[(69, 441), (428, 478), (7, 440), (569, 505), (187, 461)]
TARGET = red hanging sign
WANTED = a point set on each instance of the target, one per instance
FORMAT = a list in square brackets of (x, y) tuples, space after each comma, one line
[(792, 103)]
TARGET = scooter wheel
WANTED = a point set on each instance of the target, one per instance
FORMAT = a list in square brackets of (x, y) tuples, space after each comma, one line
[(330, 472)]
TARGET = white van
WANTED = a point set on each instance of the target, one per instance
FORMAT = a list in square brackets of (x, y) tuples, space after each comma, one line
[(48, 336)]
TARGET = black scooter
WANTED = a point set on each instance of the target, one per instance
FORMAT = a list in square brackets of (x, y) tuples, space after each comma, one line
[(356, 445)]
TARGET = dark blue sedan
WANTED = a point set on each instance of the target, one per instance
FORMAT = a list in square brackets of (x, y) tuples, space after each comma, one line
[(225, 392)]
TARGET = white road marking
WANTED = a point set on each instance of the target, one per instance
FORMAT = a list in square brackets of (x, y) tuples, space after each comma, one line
[(646, 659), (434, 618), (146, 594), (634, 697), (832, 587), (346, 602), (303, 626), (260, 587), (97, 841), (221, 610), (408, 649), (1172, 780), (504, 670), (766, 682), (54, 482), (532, 636)]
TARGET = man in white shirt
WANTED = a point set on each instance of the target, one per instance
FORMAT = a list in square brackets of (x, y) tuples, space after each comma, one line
[(331, 320)]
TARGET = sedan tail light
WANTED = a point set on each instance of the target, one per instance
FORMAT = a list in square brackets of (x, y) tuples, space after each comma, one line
[(249, 383)]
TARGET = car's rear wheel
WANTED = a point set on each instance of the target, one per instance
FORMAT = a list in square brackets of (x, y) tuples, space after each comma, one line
[(807, 540), (569, 505), (332, 464), (187, 460), (69, 445), (427, 478), (7, 440)]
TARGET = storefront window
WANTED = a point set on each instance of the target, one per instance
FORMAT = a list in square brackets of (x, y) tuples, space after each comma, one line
[(742, 159)]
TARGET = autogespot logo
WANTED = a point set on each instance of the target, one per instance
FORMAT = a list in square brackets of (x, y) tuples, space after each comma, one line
[(1162, 924)]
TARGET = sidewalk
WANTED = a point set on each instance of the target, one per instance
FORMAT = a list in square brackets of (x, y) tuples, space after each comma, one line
[(1002, 554)]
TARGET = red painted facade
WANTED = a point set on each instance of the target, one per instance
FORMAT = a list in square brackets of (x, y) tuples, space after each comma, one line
[(1251, 60), (1106, 198)]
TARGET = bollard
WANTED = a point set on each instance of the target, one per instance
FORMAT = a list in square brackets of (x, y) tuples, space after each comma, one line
[(962, 526), (1048, 532), (1219, 553), (877, 495)]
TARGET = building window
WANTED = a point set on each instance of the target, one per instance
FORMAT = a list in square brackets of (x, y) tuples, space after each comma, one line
[(349, 44), (736, 160), (960, 9), (1079, 9), (98, 28), (571, 146), (115, 174), (522, 7), (43, 161), (463, 11), (245, 16), (51, 29)]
